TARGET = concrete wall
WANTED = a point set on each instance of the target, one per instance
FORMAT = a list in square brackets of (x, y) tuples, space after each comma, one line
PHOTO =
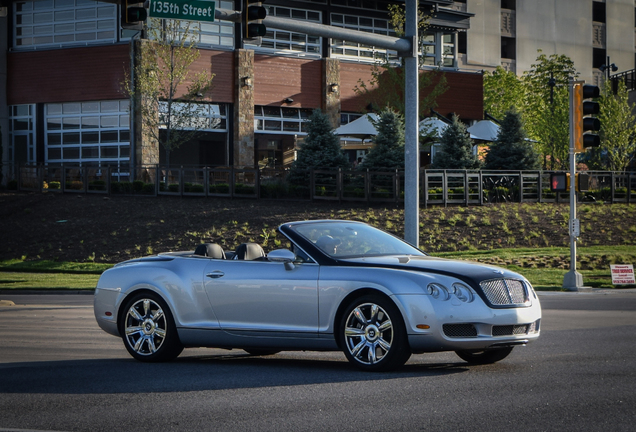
[(484, 37)]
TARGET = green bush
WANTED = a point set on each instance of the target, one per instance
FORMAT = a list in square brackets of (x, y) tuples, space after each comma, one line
[(55, 185), (93, 185), (148, 189), (220, 188), (193, 188), (123, 187), (276, 189), (75, 185), (173, 187), (243, 189), (138, 186)]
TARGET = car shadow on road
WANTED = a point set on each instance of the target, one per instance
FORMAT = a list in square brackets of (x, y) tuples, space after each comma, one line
[(196, 373)]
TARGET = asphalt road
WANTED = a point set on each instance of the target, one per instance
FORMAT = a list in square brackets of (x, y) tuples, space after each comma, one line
[(59, 371)]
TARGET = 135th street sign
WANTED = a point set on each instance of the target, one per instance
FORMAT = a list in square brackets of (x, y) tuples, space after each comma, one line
[(192, 10)]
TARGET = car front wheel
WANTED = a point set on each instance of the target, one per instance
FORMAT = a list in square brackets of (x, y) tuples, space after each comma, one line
[(148, 329), (373, 335), (485, 356)]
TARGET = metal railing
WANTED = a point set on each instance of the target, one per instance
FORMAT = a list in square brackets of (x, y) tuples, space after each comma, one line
[(437, 187)]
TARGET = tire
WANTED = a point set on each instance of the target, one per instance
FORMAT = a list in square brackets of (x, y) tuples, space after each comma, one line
[(373, 335), (485, 356), (260, 352), (148, 329)]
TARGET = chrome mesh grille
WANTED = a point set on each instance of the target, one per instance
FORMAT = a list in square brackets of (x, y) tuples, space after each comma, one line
[(505, 292), (460, 330), (510, 330)]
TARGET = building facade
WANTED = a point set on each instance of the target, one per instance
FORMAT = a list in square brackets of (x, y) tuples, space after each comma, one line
[(594, 34), (65, 62)]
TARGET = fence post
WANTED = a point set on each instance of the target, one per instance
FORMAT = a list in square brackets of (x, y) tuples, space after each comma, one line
[(481, 188), (425, 189), (445, 188), (466, 186), (629, 187), (540, 185), (396, 186), (520, 186), (257, 181), (613, 187)]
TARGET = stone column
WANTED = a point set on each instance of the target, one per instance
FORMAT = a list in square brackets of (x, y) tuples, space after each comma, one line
[(244, 108), (145, 147), (331, 90)]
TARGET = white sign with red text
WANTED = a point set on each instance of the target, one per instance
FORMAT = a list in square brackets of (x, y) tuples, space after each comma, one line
[(622, 274)]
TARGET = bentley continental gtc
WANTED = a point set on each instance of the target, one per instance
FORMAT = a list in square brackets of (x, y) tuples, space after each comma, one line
[(340, 285)]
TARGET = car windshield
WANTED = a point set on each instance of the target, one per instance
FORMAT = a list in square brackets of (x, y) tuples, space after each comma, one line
[(349, 240)]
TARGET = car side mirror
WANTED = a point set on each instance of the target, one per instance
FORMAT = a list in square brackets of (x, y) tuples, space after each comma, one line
[(284, 256)]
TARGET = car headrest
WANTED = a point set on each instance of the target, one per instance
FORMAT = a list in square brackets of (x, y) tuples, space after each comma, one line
[(249, 251), (211, 250)]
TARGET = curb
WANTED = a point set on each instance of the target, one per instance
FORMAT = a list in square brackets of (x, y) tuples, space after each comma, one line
[(6, 303), (47, 291)]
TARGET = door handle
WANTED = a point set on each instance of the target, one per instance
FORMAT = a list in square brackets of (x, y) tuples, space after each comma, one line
[(215, 274)]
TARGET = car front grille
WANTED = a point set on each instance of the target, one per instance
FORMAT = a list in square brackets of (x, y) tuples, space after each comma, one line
[(505, 292), (510, 330), (460, 330)]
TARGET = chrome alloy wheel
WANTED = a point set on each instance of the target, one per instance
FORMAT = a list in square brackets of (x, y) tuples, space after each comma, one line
[(368, 333), (145, 327)]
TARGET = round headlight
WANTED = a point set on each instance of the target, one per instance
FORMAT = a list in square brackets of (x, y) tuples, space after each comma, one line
[(438, 291), (463, 293)]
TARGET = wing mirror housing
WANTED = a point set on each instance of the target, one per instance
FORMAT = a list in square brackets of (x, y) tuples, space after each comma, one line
[(284, 256)]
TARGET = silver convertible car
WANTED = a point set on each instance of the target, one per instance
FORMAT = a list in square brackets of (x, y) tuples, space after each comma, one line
[(340, 286)]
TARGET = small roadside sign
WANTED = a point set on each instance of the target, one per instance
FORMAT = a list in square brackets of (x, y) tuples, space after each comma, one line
[(190, 10), (622, 274)]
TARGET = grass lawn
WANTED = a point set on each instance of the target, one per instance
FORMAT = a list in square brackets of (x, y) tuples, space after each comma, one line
[(536, 264)]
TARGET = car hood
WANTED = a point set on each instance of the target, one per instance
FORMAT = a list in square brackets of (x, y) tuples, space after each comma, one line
[(464, 270)]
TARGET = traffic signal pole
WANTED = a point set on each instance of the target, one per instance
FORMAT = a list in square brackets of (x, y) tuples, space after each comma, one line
[(573, 280)]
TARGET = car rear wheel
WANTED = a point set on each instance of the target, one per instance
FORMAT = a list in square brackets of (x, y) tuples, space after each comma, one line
[(484, 356), (148, 329), (373, 335)]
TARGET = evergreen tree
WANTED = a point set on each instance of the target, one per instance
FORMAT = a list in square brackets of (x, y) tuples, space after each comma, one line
[(321, 149), (456, 149), (388, 151), (511, 150)]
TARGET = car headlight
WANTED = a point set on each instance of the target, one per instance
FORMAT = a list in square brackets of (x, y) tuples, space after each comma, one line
[(463, 293), (531, 288), (438, 291)]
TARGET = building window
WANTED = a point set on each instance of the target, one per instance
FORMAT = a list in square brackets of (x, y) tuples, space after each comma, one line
[(357, 51), (284, 42), (508, 48), (22, 134), (462, 42), (346, 118), (280, 120), (88, 133), (598, 12), (210, 34), (200, 116), (508, 4), (61, 23), (599, 57)]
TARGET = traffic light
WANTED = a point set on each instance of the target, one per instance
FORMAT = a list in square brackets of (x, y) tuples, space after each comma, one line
[(133, 14), (253, 14), (583, 108), (559, 182)]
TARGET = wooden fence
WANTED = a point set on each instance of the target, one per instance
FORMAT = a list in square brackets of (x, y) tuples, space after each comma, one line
[(437, 187)]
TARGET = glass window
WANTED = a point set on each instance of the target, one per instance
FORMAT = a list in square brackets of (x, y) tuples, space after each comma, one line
[(22, 134), (280, 119), (355, 50), (201, 116), (284, 42), (63, 23), (91, 132)]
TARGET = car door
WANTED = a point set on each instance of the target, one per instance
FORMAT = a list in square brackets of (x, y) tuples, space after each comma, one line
[(262, 296)]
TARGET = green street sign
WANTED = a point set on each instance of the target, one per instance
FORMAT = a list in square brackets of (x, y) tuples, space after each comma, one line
[(191, 10)]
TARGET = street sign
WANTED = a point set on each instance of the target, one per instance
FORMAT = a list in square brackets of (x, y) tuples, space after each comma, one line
[(622, 274), (190, 10)]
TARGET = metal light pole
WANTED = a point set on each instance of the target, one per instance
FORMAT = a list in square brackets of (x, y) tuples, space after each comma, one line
[(411, 131)]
